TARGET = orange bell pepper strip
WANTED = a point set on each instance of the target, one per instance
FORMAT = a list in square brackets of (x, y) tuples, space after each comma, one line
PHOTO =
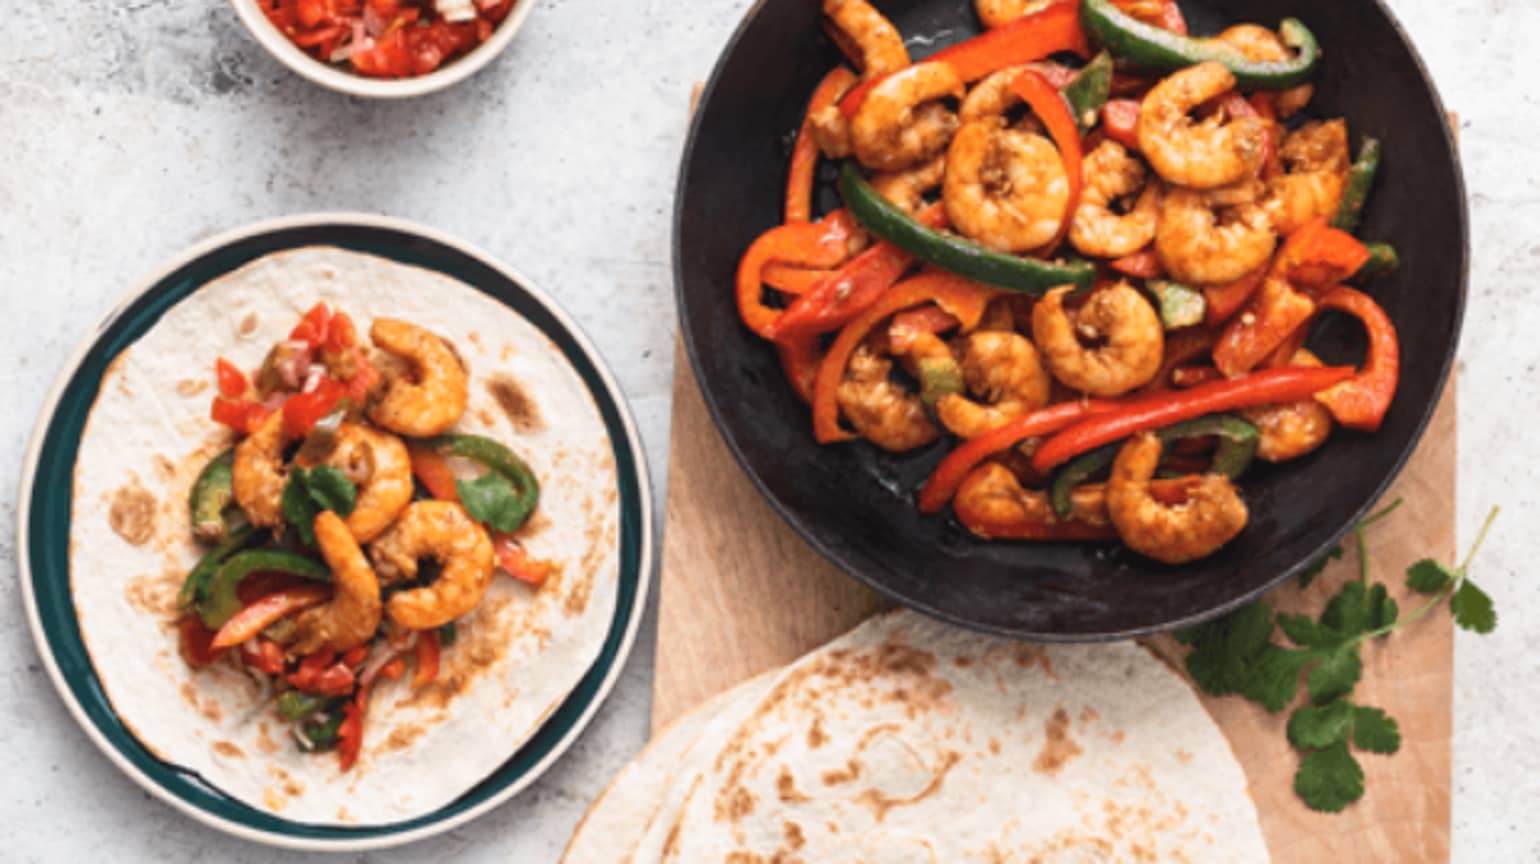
[(1120, 120), (1275, 312), (804, 153), (800, 356), (1031, 37), (433, 472), (944, 482), (1144, 264), (427, 659), (1221, 302), (516, 562), (1362, 401), (1160, 410), (257, 616), (963, 298), (1048, 104), (812, 244), (1318, 255), (788, 279)]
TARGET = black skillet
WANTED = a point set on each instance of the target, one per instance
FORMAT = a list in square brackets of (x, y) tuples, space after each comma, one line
[(855, 504)]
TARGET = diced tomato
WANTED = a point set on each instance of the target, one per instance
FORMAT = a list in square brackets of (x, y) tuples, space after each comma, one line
[(386, 9), (341, 334), (512, 558), (263, 655), (196, 641), (1120, 117), (365, 376), (334, 680), (304, 410), (312, 13), (427, 658), (232, 381), (314, 326), (356, 656), (389, 57), (242, 416), (310, 668)]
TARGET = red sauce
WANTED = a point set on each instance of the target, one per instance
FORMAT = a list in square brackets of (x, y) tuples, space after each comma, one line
[(383, 38)]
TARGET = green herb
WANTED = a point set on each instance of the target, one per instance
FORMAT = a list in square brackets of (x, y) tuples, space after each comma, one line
[(309, 491), (447, 634), (1237, 655)]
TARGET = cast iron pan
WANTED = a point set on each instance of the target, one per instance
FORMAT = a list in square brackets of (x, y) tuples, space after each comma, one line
[(855, 504)]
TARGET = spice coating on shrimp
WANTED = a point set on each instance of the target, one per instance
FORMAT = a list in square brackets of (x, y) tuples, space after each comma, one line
[(257, 475), (866, 33), (1004, 188), (901, 122), (435, 400), (443, 531), (1132, 340), (1175, 534), (1316, 163), (882, 411), (1111, 175), (1003, 369), (350, 618), (906, 189), (1202, 242), (998, 13), (1205, 154)]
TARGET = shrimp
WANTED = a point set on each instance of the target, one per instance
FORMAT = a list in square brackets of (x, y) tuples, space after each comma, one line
[(882, 411), (906, 189), (1002, 368), (1132, 340), (863, 32), (434, 401), (1004, 188), (440, 530), (1212, 515), (1316, 158), (993, 504), (831, 132), (1257, 43), (379, 465), (1203, 155), (257, 474), (998, 13), (1200, 241), (350, 618), (1111, 175), (901, 123), (1289, 430)]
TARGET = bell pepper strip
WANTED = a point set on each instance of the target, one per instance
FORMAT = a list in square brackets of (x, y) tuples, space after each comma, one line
[(1056, 112), (1120, 120), (1362, 401), (295, 705), (1277, 311), (195, 586), (1187, 377), (1088, 91), (263, 655), (821, 244), (1317, 254), (195, 641), (950, 252), (800, 356), (1223, 301), (1144, 264), (255, 618), (231, 381), (1031, 37), (1383, 261), (1355, 194), (1284, 354), (948, 476), (792, 280), (432, 470), (1150, 47), (212, 494), (427, 650), (500, 460), (350, 734), (991, 504), (515, 561), (1159, 410), (1237, 445), (963, 298), (354, 657), (906, 327), (938, 377), (1180, 306), (804, 153), (220, 602)]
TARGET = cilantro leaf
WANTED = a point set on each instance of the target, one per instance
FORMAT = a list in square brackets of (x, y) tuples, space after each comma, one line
[(1330, 779), (298, 508), (330, 489), (1336, 674), (1303, 630), (1347, 613), (1224, 650), (1472, 608), (1309, 573), (1428, 576), (1375, 731), (1274, 677), (1383, 610), (490, 499), (1315, 727)]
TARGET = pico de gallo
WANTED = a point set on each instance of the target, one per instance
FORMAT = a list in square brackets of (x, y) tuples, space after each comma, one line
[(387, 38)]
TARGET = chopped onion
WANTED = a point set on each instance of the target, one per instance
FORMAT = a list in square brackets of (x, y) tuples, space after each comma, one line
[(313, 379), (374, 25), (342, 53), (381, 659), (456, 11), (264, 696)]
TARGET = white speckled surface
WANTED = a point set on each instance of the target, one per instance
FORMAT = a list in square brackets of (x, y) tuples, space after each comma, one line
[(131, 128)]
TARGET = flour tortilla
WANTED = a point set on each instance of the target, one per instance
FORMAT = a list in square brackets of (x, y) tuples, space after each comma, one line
[(912, 742), (517, 656)]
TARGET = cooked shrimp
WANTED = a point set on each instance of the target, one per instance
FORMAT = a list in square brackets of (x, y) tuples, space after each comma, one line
[(906, 189), (1200, 155), (444, 532), (1260, 44), (1316, 161), (882, 411), (1120, 319), (998, 13), (1212, 515), (379, 465), (1004, 188), (350, 618), (1113, 175), (1003, 369), (993, 503), (1289, 430), (1201, 242), (902, 123), (433, 398), (991, 97), (831, 131), (257, 474), (865, 33)]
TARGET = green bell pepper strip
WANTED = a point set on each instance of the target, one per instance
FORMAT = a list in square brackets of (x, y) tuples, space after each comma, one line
[(294, 705), (195, 586), (497, 458), (1237, 444), (1356, 192), (1383, 261), (219, 601), (939, 376), (952, 253), (1087, 92), (323, 735), (1151, 47), (211, 495), (1180, 305)]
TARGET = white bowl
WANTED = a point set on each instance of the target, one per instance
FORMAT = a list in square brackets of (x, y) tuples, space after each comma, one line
[(338, 79)]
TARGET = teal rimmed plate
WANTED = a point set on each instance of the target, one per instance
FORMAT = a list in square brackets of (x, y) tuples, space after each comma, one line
[(43, 522)]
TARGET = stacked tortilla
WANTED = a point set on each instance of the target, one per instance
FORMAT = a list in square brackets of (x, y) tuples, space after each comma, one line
[(908, 740)]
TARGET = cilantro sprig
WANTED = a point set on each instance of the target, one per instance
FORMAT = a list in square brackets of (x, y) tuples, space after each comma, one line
[(309, 491), (1236, 655)]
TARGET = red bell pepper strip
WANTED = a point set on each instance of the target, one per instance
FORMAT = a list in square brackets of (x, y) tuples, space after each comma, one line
[(1220, 302), (303, 410), (800, 357), (263, 655), (1362, 401), (1160, 410), (512, 558), (194, 641), (1120, 120), (963, 298), (909, 326), (1030, 37), (1048, 104), (825, 243), (1273, 314), (804, 153), (1182, 347), (259, 615), (350, 735), (232, 381), (1317, 255), (310, 668), (1283, 355), (427, 659), (1144, 264), (433, 471), (792, 280)]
